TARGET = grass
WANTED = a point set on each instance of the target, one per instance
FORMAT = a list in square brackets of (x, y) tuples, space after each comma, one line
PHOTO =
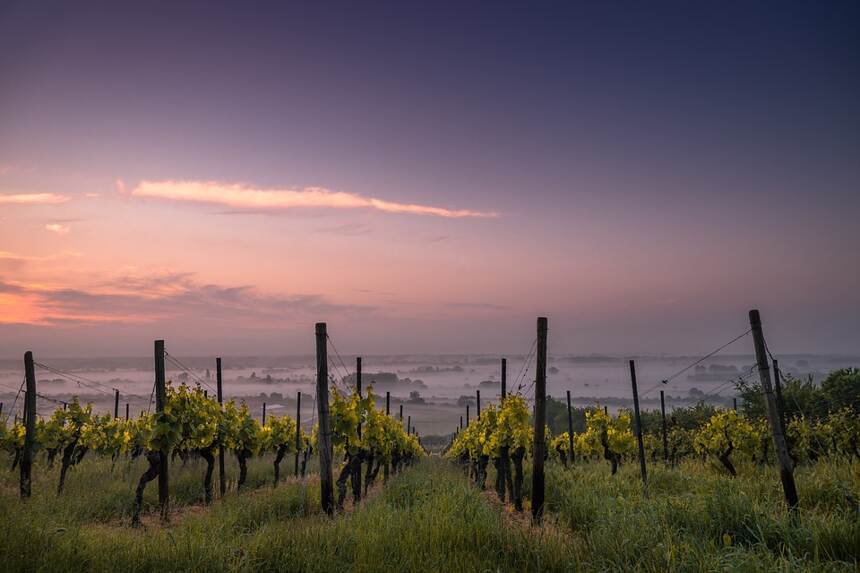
[(695, 518), (429, 518)]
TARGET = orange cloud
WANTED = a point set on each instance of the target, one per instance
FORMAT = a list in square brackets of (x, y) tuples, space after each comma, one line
[(57, 228), (244, 197), (34, 198)]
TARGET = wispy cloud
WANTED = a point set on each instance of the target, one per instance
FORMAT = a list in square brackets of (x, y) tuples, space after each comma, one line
[(349, 229), (57, 228), (152, 298), (34, 198), (244, 197)]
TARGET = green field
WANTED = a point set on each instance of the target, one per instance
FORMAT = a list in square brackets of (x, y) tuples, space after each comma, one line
[(431, 518)]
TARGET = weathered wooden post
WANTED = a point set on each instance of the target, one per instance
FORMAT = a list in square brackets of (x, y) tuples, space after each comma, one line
[(570, 427), (29, 426), (160, 403), (461, 423), (358, 388), (539, 446), (126, 411), (386, 469), (663, 418), (478, 402), (356, 476), (401, 412), (264, 413), (504, 378), (408, 425), (606, 410), (786, 472), (222, 477), (467, 415), (735, 404), (1, 408), (638, 421), (298, 429), (326, 489), (115, 404)]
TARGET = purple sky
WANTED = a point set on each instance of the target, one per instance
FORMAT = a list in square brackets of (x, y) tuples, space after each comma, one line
[(428, 177)]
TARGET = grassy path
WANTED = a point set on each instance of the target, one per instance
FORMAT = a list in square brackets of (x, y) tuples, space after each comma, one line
[(426, 519), (429, 518)]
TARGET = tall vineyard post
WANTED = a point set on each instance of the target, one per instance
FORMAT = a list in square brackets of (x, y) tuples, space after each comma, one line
[(401, 413), (478, 402), (357, 475), (222, 478), (408, 425), (160, 403), (539, 446), (504, 378), (638, 422), (786, 471), (264, 414), (325, 453), (126, 411), (298, 429), (29, 425), (663, 421), (386, 469), (115, 404), (569, 428), (467, 415)]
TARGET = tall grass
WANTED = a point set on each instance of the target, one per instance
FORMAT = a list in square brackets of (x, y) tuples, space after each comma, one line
[(698, 519), (430, 518)]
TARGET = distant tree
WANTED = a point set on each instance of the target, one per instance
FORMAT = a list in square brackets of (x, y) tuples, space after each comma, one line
[(841, 388)]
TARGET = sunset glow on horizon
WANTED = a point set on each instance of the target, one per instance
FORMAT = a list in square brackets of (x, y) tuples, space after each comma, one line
[(427, 181)]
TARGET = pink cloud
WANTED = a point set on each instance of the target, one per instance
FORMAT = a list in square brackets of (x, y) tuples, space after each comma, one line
[(244, 197), (57, 228), (34, 198)]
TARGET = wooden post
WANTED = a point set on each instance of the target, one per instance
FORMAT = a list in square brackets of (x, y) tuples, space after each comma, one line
[(570, 427), (358, 390), (786, 472), (264, 413), (539, 446), (160, 403), (461, 423), (408, 425), (326, 489), (387, 403), (222, 477), (780, 404), (357, 475), (29, 425), (665, 434), (126, 411), (298, 429), (115, 404), (1, 408), (478, 400), (606, 410), (638, 421), (401, 412), (504, 378), (735, 404)]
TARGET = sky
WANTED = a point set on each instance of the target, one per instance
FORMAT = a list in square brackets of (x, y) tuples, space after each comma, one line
[(428, 177)]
